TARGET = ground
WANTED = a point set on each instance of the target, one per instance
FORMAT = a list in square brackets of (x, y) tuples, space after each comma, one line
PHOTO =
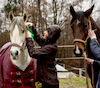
[(74, 83)]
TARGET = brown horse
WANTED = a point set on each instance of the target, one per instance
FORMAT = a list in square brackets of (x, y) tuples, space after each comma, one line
[(80, 26)]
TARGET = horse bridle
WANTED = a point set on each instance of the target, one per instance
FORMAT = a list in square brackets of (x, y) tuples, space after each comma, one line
[(84, 42), (79, 40), (22, 47)]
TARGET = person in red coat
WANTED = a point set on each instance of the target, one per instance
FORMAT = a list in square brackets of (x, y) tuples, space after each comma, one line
[(46, 70)]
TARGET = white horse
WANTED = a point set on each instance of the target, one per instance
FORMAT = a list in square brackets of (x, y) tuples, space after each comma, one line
[(17, 28), (20, 72)]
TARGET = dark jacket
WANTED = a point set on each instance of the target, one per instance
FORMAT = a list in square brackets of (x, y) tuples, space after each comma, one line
[(46, 70), (95, 49)]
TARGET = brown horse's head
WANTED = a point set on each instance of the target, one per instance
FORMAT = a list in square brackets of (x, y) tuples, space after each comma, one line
[(80, 25)]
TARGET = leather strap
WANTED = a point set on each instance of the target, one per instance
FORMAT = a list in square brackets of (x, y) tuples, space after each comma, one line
[(79, 40)]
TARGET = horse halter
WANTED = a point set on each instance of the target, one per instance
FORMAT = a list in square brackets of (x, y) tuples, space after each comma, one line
[(22, 47), (79, 40)]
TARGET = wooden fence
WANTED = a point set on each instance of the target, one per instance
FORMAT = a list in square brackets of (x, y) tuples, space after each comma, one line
[(80, 70)]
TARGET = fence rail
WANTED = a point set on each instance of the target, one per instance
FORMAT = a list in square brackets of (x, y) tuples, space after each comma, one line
[(80, 70), (70, 58), (62, 46)]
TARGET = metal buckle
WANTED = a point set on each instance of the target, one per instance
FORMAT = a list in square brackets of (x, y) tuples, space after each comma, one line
[(31, 71), (18, 73), (19, 81), (31, 80)]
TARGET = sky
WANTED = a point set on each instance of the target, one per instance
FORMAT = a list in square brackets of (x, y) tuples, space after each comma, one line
[(1, 3), (86, 4), (95, 12)]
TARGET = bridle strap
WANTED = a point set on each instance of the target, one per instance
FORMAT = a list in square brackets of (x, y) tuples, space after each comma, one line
[(84, 42), (24, 44), (22, 47), (13, 44), (79, 40)]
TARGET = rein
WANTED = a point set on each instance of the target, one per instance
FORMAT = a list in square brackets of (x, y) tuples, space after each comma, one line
[(85, 64)]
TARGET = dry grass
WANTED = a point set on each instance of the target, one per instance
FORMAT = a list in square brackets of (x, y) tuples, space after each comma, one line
[(73, 83)]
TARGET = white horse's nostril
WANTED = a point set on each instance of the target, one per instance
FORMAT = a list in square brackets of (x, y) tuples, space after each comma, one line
[(16, 53)]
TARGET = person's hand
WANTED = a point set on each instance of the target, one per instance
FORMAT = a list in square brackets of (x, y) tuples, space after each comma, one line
[(28, 23), (27, 34), (89, 61), (31, 27), (91, 34)]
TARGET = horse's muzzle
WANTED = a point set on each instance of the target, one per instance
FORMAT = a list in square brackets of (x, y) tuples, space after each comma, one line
[(78, 54), (14, 54)]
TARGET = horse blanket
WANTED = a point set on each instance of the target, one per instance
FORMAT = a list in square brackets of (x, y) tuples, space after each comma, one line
[(13, 77)]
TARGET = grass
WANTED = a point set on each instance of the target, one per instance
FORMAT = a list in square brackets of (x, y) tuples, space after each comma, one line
[(73, 83)]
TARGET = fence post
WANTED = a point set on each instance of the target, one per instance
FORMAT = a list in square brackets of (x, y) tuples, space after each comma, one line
[(80, 72)]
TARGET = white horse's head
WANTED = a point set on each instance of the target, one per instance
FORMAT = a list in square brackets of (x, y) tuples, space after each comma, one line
[(17, 33)]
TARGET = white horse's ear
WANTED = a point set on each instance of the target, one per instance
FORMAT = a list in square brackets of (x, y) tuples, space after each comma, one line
[(11, 16), (25, 17)]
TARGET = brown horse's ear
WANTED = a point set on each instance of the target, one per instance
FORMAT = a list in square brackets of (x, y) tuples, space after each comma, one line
[(25, 17), (89, 11), (72, 11), (11, 16)]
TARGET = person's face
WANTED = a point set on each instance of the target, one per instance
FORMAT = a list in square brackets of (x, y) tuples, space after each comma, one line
[(45, 35)]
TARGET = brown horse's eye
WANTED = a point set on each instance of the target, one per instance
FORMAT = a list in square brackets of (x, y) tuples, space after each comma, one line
[(23, 31), (79, 24), (86, 24), (8, 30)]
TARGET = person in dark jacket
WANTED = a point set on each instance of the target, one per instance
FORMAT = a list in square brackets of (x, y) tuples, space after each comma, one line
[(95, 49), (46, 70)]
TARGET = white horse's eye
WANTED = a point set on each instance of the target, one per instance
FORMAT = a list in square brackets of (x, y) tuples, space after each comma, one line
[(23, 31), (8, 30)]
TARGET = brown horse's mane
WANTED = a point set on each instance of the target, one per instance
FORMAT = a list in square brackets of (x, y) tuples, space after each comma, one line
[(94, 26)]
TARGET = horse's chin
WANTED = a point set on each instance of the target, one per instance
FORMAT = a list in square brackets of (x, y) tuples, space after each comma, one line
[(14, 58), (78, 55)]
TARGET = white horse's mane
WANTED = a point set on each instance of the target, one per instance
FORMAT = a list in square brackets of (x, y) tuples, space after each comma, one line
[(17, 21)]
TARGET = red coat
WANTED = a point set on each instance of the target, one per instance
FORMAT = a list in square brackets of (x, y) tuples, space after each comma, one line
[(13, 77)]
